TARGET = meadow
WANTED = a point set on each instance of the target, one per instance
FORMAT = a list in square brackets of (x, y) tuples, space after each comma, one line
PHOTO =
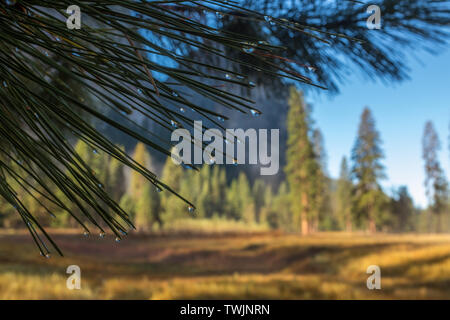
[(227, 265)]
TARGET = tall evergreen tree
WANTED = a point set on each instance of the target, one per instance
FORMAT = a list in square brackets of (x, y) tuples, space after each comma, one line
[(435, 181), (137, 181), (301, 161), (172, 208), (367, 171), (260, 193), (321, 183), (147, 209), (344, 197)]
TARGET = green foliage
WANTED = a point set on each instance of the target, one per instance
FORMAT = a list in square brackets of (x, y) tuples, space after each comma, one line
[(403, 211), (435, 180), (302, 168), (367, 170), (147, 209)]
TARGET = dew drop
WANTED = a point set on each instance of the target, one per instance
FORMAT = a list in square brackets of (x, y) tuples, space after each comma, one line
[(86, 233), (47, 255), (174, 123), (252, 84), (5, 84), (220, 119), (227, 76), (140, 91), (102, 234), (219, 15), (95, 151), (158, 189), (182, 110), (191, 209), (248, 49), (235, 162), (174, 94), (255, 113), (118, 239)]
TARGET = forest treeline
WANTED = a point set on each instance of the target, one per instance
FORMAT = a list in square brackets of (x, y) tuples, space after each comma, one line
[(307, 201)]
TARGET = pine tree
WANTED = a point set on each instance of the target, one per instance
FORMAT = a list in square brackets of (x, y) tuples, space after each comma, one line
[(116, 182), (301, 160), (344, 197), (172, 208), (283, 209), (137, 181), (246, 201), (147, 209), (403, 210), (321, 183), (367, 170), (435, 181), (260, 192)]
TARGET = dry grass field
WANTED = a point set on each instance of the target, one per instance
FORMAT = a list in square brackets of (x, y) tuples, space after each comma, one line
[(232, 265)]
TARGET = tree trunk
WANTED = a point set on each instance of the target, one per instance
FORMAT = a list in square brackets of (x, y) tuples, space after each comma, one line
[(305, 225), (439, 223), (303, 215), (348, 225), (372, 225)]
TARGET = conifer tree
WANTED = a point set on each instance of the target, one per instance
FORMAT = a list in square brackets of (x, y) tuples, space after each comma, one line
[(260, 193), (147, 209), (435, 181), (246, 201), (283, 209), (137, 181), (301, 161), (172, 208), (367, 171), (116, 181), (321, 184)]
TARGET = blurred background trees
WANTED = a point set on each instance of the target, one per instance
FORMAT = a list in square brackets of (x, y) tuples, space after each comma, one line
[(307, 201)]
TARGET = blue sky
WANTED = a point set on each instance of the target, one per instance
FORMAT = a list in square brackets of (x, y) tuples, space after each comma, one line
[(400, 111)]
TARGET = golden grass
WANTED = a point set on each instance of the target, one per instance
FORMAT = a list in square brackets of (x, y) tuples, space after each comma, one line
[(233, 265)]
